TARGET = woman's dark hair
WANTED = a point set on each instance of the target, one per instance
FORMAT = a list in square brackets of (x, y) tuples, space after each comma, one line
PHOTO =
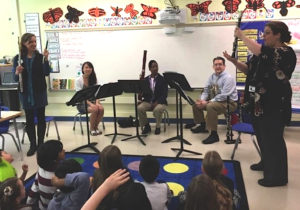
[(47, 154), (201, 194), (25, 38), (212, 164), (92, 77), (9, 191), (67, 167), (282, 28), (149, 168), (151, 62)]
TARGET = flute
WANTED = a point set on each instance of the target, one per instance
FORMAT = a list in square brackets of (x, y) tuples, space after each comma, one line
[(19, 63)]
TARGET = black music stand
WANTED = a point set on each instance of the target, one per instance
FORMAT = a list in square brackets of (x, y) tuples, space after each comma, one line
[(179, 82), (170, 77), (135, 86), (111, 90), (80, 96)]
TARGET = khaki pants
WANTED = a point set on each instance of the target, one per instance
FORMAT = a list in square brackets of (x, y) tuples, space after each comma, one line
[(157, 113), (213, 109)]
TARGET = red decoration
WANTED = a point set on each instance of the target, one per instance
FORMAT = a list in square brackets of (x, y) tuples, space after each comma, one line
[(96, 12), (283, 5), (255, 4), (53, 15), (130, 9), (231, 6), (196, 8), (149, 11), (73, 14), (117, 11)]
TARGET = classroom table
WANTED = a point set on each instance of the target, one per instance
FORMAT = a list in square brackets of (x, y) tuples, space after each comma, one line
[(12, 115)]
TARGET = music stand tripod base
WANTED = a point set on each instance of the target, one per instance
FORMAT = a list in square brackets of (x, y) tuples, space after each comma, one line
[(90, 145), (180, 150), (176, 138), (137, 136)]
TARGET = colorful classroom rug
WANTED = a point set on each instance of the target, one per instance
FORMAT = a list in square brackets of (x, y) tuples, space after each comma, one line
[(177, 173)]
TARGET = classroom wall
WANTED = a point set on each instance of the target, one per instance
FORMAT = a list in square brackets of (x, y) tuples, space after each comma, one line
[(9, 28), (57, 100)]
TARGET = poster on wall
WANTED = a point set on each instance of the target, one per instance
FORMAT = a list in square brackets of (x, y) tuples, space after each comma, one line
[(32, 25)]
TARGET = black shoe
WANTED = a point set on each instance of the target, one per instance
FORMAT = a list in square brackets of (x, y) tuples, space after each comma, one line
[(31, 151), (212, 138), (189, 125), (157, 131), (266, 183), (199, 129), (257, 166), (147, 129)]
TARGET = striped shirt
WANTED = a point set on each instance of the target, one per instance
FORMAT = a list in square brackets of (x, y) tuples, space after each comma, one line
[(41, 190)]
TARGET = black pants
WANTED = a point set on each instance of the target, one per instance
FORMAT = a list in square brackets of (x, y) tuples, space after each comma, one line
[(30, 126), (269, 132)]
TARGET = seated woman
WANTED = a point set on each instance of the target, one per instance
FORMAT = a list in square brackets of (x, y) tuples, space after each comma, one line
[(88, 79)]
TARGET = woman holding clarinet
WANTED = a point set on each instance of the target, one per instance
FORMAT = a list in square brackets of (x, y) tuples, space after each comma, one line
[(30, 68), (268, 96)]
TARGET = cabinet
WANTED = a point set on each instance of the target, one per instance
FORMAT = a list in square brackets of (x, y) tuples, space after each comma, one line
[(9, 96)]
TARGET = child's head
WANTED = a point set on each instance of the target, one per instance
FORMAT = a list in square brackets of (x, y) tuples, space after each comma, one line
[(110, 160), (201, 194), (212, 164), (149, 168), (67, 167), (12, 192), (49, 154), (6, 156)]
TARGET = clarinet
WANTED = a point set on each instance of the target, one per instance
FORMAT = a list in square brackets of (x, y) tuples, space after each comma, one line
[(236, 39), (19, 63), (229, 133), (142, 75)]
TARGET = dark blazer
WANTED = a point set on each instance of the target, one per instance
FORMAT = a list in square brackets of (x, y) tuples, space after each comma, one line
[(160, 93), (38, 75)]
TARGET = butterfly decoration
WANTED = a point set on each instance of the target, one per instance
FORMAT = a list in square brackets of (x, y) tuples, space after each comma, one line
[(130, 9), (96, 12), (283, 5), (231, 6), (255, 4), (196, 8), (149, 11), (117, 11), (73, 14), (298, 6), (53, 15)]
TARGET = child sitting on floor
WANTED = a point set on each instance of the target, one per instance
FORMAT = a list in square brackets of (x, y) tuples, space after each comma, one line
[(12, 192), (73, 185), (7, 170), (159, 194), (49, 154)]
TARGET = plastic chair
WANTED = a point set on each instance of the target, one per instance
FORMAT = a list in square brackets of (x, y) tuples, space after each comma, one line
[(244, 126), (4, 127), (48, 119)]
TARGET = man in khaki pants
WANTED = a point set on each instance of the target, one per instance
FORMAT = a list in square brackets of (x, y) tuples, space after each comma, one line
[(214, 100)]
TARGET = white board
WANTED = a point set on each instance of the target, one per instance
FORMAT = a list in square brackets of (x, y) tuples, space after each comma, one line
[(118, 54)]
